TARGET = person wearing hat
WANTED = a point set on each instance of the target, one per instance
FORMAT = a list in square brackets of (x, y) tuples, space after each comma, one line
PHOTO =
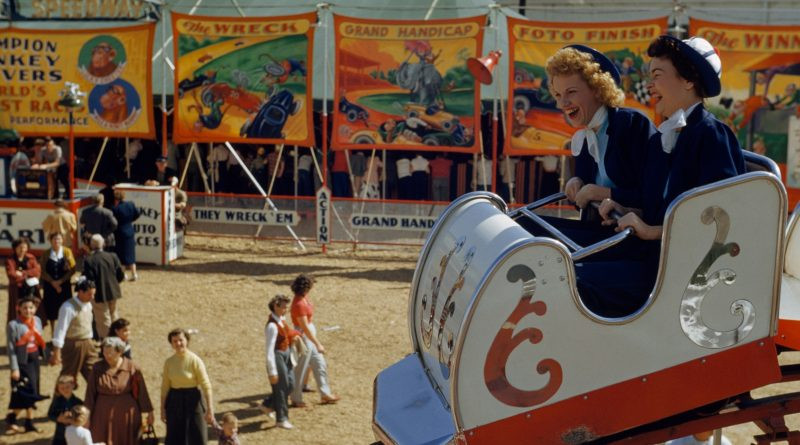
[(163, 172), (692, 149), (610, 143)]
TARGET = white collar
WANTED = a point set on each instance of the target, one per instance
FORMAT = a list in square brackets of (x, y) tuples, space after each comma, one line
[(589, 134), (56, 255), (669, 128)]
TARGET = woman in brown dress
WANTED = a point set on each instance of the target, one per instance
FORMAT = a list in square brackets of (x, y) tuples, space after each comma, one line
[(20, 266), (117, 397)]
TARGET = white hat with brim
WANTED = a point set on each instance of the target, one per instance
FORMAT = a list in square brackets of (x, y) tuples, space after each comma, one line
[(705, 59)]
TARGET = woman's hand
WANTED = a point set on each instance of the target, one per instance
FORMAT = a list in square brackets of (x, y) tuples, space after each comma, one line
[(151, 418), (57, 286), (573, 187), (607, 206), (15, 375), (163, 416), (591, 192), (320, 348), (273, 379), (210, 417), (640, 228)]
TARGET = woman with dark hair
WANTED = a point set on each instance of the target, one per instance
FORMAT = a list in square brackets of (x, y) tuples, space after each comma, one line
[(185, 383), (25, 343), (59, 266), (279, 364), (117, 395), (693, 149), (302, 313), (126, 213), (21, 266)]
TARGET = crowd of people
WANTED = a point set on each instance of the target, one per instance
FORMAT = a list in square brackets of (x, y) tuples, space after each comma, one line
[(76, 294)]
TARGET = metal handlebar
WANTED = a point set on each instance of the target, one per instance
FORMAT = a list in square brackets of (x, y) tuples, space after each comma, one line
[(602, 245), (536, 204), (549, 227)]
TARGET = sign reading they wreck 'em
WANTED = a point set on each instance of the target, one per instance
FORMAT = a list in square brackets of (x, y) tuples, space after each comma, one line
[(245, 216)]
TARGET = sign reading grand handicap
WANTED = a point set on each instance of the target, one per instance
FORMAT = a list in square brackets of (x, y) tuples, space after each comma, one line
[(244, 79), (405, 84), (392, 222), (245, 216), (113, 67)]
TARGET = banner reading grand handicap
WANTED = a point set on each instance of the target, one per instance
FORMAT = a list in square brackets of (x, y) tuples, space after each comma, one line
[(537, 126), (760, 99), (112, 66), (244, 79), (405, 84)]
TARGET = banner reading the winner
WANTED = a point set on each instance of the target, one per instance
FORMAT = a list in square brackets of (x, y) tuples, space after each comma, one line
[(112, 66), (760, 99), (537, 126), (244, 79), (405, 84)]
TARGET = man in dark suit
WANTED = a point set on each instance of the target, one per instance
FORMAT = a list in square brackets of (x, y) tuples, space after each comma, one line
[(105, 269), (97, 219), (163, 172)]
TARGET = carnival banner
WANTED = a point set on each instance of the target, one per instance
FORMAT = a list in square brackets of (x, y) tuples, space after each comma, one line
[(759, 99), (112, 66), (405, 84), (244, 79), (536, 125)]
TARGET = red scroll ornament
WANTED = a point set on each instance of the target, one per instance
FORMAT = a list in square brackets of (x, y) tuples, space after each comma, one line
[(504, 343)]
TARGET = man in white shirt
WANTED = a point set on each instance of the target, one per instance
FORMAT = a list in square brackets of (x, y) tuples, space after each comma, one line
[(73, 347)]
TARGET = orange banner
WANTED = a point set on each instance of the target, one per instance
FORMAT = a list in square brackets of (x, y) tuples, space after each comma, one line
[(244, 79), (760, 99), (405, 84), (536, 126)]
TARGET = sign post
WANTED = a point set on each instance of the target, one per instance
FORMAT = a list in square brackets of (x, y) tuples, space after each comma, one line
[(323, 217)]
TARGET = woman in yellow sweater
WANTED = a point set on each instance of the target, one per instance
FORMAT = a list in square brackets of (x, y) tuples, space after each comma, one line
[(185, 384)]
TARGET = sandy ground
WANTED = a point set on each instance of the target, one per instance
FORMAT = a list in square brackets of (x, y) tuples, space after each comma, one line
[(221, 288)]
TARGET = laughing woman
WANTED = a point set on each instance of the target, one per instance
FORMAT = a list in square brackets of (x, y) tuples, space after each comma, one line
[(693, 149), (611, 141)]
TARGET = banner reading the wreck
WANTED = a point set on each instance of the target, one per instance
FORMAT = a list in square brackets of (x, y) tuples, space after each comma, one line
[(536, 125), (112, 66), (760, 96), (243, 79), (405, 84)]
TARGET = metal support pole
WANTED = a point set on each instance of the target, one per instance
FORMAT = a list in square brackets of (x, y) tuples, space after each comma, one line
[(71, 185)]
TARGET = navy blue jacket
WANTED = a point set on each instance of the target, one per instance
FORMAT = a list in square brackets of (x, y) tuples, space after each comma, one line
[(126, 213), (706, 151), (628, 134)]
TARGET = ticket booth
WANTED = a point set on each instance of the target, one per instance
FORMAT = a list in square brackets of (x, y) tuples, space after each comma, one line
[(23, 217), (157, 240)]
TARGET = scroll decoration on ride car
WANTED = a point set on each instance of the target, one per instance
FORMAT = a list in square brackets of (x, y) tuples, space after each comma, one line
[(447, 312), (701, 283), (505, 342), (427, 324)]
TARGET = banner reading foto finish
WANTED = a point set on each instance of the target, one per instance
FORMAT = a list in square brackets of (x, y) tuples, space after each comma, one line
[(405, 84), (760, 98), (537, 126), (112, 66), (244, 79)]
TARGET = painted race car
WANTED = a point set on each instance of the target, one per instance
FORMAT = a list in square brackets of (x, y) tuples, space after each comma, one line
[(268, 123), (235, 96), (505, 351), (353, 112)]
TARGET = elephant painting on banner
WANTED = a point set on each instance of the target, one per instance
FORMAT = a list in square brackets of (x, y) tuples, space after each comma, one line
[(421, 78)]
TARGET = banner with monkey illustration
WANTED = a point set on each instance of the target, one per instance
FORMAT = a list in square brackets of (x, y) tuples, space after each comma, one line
[(405, 84), (760, 99), (111, 66), (244, 79), (536, 126)]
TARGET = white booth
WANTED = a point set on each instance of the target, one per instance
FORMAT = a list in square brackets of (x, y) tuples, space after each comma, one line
[(157, 240)]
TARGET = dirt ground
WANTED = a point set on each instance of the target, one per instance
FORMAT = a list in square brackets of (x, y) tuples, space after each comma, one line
[(221, 288)]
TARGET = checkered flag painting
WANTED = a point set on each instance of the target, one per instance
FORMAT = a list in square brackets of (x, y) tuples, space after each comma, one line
[(640, 92)]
